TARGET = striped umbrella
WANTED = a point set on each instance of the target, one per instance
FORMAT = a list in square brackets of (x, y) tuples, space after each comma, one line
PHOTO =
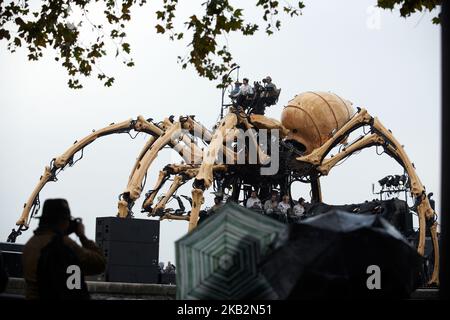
[(220, 258)]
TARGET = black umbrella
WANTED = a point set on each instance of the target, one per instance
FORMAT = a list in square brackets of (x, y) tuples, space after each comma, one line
[(343, 255)]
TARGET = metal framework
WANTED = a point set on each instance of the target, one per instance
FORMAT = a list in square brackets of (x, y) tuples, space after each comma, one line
[(312, 125)]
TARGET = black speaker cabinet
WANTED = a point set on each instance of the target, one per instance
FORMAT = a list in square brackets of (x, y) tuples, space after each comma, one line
[(12, 257), (130, 253), (131, 248), (127, 230)]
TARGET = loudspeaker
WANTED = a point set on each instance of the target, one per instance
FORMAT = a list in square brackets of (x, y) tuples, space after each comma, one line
[(130, 253), (13, 263), (127, 230), (14, 247), (131, 248), (12, 257)]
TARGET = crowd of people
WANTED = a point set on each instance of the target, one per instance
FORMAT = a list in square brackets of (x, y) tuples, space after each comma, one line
[(280, 208), (167, 269), (243, 94), (167, 273)]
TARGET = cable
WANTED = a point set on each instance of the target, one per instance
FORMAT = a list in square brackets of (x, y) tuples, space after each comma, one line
[(72, 163), (364, 130), (144, 181), (345, 159), (35, 208), (376, 150), (134, 136)]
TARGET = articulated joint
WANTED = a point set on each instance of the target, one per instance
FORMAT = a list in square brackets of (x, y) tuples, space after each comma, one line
[(124, 206), (199, 184)]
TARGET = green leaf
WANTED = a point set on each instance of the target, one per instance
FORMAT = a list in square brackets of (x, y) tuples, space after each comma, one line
[(109, 82), (74, 84), (437, 20), (4, 34), (52, 26), (126, 47), (160, 29)]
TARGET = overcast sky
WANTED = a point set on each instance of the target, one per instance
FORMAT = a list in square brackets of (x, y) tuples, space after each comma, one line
[(379, 61)]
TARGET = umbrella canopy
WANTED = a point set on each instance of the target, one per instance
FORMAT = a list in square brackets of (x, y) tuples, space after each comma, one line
[(220, 258), (395, 211), (335, 255)]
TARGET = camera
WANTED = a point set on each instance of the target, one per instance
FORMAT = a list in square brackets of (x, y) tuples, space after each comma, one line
[(73, 225)]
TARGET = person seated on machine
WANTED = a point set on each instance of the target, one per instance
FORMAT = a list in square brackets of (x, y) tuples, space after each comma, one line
[(266, 96), (269, 86), (253, 202), (271, 92), (245, 95), (237, 87), (271, 204), (285, 208), (298, 211)]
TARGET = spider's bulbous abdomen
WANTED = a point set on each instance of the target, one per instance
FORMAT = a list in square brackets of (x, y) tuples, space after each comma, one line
[(312, 117)]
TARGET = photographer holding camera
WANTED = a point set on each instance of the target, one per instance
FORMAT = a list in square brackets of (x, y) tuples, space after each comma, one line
[(50, 256)]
